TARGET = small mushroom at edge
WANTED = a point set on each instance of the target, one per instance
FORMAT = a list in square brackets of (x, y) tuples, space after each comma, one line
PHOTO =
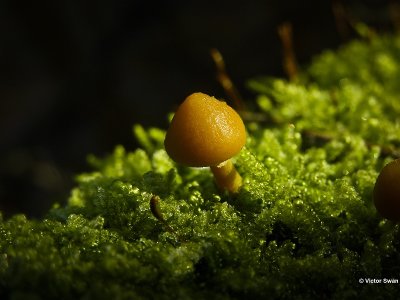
[(206, 132), (386, 192)]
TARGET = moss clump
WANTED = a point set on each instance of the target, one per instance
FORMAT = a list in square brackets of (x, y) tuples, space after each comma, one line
[(303, 225)]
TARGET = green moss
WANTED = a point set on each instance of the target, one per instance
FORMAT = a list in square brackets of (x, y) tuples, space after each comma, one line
[(303, 225)]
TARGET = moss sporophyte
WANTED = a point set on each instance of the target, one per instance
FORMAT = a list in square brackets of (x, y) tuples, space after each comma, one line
[(299, 222)]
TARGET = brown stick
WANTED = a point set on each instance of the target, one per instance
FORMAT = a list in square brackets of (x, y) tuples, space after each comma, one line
[(225, 81), (341, 19), (394, 11), (285, 33)]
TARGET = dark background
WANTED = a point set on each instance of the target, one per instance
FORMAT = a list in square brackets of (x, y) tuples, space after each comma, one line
[(76, 75)]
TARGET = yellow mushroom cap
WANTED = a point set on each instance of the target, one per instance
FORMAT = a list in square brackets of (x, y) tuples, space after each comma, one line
[(204, 132)]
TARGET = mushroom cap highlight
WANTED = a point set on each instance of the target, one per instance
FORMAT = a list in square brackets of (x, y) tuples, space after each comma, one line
[(204, 132), (387, 191)]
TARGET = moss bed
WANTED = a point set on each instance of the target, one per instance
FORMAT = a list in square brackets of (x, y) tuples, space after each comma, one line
[(302, 227)]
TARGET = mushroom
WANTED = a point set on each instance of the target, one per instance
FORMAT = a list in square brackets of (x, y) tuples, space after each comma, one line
[(387, 191), (206, 132)]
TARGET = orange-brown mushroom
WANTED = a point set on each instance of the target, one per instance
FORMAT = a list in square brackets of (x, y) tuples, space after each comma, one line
[(387, 191), (206, 132)]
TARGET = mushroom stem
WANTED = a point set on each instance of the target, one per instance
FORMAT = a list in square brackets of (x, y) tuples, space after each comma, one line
[(226, 176)]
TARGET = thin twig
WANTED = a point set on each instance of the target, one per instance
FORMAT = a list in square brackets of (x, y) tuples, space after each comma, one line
[(341, 19), (394, 11), (285, 33), (225, 81)]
